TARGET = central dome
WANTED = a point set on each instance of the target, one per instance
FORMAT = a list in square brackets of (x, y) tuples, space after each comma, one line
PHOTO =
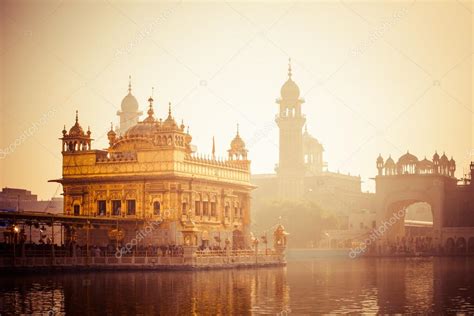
[(408, 159), (141, 129)]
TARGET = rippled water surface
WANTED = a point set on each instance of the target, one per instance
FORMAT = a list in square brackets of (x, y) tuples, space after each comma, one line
[(431, 285)]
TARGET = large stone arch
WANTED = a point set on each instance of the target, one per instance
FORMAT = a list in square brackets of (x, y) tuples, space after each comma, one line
[(390, 211)]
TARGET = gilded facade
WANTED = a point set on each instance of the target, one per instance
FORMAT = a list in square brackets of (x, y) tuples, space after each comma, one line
[(150, 172)]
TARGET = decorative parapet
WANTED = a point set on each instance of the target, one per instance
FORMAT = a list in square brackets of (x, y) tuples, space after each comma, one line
[(117, 157), (236, 164), (409, 164)]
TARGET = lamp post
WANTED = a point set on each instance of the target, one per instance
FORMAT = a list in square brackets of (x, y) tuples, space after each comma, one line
[(255, 243), (52, 239), (87, 241)]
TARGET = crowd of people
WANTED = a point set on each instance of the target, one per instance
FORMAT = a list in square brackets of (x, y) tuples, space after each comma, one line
[(45, 249), (409, 246)]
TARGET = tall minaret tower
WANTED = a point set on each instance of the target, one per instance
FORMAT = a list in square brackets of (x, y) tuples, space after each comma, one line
[(129, 113), (291, 167)]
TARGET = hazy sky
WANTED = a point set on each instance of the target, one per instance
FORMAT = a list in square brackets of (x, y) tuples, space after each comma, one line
[(377, 77)]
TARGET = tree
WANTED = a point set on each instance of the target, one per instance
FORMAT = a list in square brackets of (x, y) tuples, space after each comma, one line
[(304, 220)]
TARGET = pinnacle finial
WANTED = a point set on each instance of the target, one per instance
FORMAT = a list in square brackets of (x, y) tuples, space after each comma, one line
[(77, 116), (129, 84), (213, 148), (306, 128), (237, 129), (169, 108), (111, 126), (150, 111), (150, 99), (289, 67)]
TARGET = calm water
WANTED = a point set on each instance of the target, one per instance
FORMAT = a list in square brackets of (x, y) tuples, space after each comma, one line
[(303, 287)]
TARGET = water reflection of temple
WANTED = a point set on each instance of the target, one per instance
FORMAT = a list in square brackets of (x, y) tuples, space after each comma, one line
[(222, 292), (326, 286)]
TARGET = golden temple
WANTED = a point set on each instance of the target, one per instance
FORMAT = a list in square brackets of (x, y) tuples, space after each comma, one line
[(150, 172)]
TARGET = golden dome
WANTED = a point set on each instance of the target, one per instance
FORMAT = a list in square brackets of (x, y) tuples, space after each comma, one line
[(444, 158), (425, 164), (141, 129), (390, 163), (76, 130), (111, 132), (408, 159), (237, 143), (170, 122), (290, 90), (379, 159)]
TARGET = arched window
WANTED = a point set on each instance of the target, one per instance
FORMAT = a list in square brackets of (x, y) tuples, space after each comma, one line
[(116, 207), (213, 209), (77, 210), (226, 210), (157, 208), (184, 208)]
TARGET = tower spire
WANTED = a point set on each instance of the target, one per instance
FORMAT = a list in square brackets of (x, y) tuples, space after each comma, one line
[(150, 111), (289, 68), (169, 109), (213, 148)]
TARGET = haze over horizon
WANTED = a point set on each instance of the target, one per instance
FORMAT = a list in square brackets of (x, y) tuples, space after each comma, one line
[(400, 80)]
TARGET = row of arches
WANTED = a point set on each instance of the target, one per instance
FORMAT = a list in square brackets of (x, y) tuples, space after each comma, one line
[(167, 140), (459, 245), (74, 145)]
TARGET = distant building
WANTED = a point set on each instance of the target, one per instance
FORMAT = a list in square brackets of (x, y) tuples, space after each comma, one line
[(301, 173), (129, 113), (22, 200)]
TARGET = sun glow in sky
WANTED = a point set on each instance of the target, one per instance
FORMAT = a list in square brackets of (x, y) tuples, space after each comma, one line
[(376, 77)]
